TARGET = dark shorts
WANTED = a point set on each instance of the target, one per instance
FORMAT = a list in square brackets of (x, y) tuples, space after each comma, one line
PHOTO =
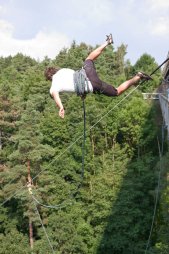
[(99, 86)]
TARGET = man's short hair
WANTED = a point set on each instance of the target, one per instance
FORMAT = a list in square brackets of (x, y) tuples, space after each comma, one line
[(49, 72)]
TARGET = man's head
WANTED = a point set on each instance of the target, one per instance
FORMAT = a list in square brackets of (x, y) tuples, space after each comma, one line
[(49, 72)]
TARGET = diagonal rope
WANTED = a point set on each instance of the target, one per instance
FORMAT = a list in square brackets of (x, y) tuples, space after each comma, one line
[(14, 194), (36, 209)]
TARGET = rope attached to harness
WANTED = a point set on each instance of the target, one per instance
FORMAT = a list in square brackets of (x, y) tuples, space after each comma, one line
[(83, 147)]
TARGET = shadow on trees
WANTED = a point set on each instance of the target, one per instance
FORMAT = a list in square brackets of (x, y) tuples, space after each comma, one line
[(129, 222)]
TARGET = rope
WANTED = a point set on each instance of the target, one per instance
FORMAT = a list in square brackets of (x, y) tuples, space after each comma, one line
[(159, 66), (157, 196), (83, 144), (64, 151)]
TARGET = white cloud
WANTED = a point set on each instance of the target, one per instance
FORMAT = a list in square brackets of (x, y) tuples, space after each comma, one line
[(101, 11), (158, 4), (6, 28), (87, 21), (160, 26), (1, 9), (43, 44), (95, 11), (158, 13)]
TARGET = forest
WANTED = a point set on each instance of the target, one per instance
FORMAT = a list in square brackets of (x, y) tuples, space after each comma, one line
[(120, 203)]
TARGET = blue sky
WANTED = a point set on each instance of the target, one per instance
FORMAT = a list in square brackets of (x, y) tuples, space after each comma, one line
[(41, 28)]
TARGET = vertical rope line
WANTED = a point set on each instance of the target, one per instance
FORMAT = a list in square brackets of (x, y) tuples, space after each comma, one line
[(83, 146), (157, 197), (84, 139)]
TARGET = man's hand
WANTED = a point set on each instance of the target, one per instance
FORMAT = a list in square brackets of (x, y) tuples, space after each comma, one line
[(61, 112)]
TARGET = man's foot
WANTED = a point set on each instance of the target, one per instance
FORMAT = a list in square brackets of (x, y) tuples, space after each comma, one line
[(109, 39), (144, 76)]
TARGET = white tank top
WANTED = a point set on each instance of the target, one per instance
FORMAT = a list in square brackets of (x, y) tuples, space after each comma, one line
[(63, 81)]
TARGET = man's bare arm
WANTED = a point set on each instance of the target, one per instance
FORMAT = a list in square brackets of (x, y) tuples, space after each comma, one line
[(59, 104)]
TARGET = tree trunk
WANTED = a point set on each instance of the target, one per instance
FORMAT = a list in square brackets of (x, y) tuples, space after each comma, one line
[(30, 220), (30, 233), (0, 140)]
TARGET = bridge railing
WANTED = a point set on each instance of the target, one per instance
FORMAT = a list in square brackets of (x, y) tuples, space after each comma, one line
[(151, 96), (164, 103)]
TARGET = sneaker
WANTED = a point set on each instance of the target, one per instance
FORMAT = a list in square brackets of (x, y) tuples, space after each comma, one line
[(144, 76), (109, 39)]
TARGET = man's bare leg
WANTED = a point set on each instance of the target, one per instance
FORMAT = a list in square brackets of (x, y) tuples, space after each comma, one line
[(124, 86), (95, 53), (139, 76)]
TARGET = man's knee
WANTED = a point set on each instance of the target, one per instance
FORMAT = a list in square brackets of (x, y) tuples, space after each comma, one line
[(109, 90)]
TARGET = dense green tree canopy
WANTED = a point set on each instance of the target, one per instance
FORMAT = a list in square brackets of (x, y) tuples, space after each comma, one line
[(112, 211)]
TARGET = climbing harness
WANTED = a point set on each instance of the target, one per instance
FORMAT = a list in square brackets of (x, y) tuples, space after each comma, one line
[(81, 82)]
